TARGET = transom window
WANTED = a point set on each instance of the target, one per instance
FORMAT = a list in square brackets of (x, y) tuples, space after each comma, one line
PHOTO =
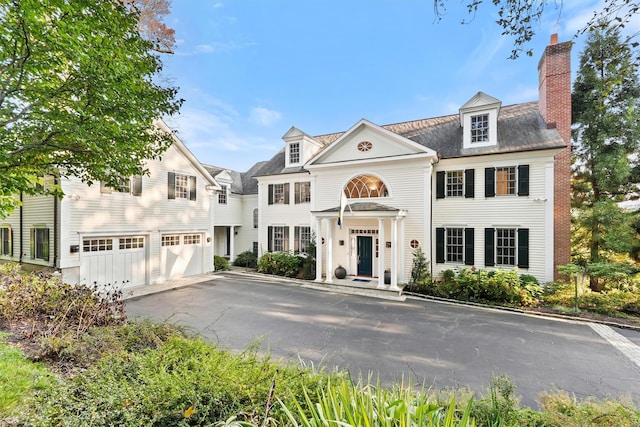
[(365, 186), (455, 245), (455, 183), (171, 240), (131, 242), (480, 128), (294, 152), (506, 246), (505, 181), (97, 245)]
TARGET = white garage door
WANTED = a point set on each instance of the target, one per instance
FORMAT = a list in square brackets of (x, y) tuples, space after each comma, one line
[(181, 255), (118, 262)]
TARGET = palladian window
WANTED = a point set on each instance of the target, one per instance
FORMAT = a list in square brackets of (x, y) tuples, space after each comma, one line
[(365, 186)]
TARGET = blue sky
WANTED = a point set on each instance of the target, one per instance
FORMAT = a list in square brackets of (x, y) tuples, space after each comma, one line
[(250, 69)]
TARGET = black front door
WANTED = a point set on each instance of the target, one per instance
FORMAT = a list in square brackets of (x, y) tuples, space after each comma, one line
[(365, 261)]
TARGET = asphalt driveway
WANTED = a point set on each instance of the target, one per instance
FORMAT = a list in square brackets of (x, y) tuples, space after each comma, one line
[(438, 345)]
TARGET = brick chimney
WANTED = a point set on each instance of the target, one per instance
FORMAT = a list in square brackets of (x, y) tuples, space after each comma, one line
[(554, 78)]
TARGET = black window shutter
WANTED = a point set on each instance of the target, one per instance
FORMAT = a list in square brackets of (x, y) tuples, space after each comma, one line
[(523, 248), (523, 180), (489, 247), (489, 182), (270, 239), (192, 188), (33, 243), (136, 185), (468, 246), (171, 187), (286, 193), (469, 183), (296, 239), (286, 237), (440, 178), (270, 196), (439, 245), (297, 193)]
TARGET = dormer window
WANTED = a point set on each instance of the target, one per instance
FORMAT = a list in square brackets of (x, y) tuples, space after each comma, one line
[(294, 153), (480, 128), (479, 121)]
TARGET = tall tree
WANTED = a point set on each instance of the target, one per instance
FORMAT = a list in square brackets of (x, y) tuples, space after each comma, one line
[(518, 18), (77, 94), (606, 116), (150, 25)]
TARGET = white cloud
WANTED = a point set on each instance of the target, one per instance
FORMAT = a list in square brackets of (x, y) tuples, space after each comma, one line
[(213, 47), (482, 56), (264, 117), (218, 5)]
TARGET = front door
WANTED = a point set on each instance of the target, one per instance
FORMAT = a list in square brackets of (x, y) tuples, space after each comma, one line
[(364, 255)]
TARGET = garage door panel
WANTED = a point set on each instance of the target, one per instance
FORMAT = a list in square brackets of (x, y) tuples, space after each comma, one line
[(113, 261), (181, 255)]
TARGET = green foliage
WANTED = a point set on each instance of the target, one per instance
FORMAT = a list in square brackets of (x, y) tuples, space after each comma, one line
[(501, 407), (308, 271), (280, 263), (220, 263), (78, 95), (613, 302), (246, 259), (499, 286), (20, 379), (343, 402), (183, 382), (606, 114), (559, 409), (420, 275)]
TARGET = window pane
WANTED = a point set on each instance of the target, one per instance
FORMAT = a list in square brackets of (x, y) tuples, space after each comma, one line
[(365, 186), (182, 186), (505, 181), (455, 246), (480, 128), (455, 183), (294, 152), (506, 246)]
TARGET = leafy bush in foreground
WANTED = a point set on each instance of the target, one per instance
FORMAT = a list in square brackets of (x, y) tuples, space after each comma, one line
[(246, 259), (220, 263), (280, 263)]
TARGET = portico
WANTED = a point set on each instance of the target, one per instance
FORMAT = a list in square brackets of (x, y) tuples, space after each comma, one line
[(368, 243)]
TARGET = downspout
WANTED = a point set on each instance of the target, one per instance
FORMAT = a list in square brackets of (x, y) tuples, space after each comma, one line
[(21, 230)]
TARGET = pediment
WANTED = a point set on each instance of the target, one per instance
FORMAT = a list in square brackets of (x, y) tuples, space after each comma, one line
[(366, 142), (479, 102), (224, 177)]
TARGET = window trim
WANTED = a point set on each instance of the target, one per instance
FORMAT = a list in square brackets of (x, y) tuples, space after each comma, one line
[(6, 241), (521, 247), (297, 153), (191, 188), (298, 191), (468, 245), (271, 236), (521, 185), (223, 195), (468, 184), (44, 245), (298, 242), (255, 218), (272, 196)]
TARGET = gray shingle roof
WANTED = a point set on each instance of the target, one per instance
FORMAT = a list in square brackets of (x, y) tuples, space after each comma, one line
[(241, 183), (364, 207), (520, 128)]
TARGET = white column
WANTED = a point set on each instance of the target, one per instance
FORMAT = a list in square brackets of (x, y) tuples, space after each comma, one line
[(232, 243), (331, 225), (381, 247), (402, 251), (394, 255), (318, 249)]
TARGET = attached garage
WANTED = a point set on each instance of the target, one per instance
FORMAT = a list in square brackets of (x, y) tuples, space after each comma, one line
[(117, 261), (181, 255)]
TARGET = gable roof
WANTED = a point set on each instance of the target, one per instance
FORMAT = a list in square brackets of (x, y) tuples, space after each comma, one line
[(241, 182), (186, 153), (520, 128)]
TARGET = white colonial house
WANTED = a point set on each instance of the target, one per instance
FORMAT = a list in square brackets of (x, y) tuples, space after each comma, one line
[(486, 187), (151, 229)]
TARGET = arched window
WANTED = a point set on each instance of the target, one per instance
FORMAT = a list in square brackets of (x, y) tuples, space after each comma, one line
[(255, 218), (365, 186)]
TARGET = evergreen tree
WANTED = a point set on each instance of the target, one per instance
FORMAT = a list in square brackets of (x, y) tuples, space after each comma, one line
[(606, 134)]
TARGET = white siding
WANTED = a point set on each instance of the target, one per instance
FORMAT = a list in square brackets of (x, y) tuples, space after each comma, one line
[(512, 211)]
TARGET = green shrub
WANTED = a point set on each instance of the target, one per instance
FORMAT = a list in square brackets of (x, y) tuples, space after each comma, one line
[(183, 382), (559, 409), (281, 264), (220, 263), (246, 259)]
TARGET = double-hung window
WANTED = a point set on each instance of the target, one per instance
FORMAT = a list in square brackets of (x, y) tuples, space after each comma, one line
[(303, 192), (132, 185), (455, 245), (5, 241), (278, 237), (506, 247), (455, 183), (480, 128), (255, 218), (294, 153), (222, 196), (40, 243), (279, 194), (302, 239), (181, 186), (506, 181)]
